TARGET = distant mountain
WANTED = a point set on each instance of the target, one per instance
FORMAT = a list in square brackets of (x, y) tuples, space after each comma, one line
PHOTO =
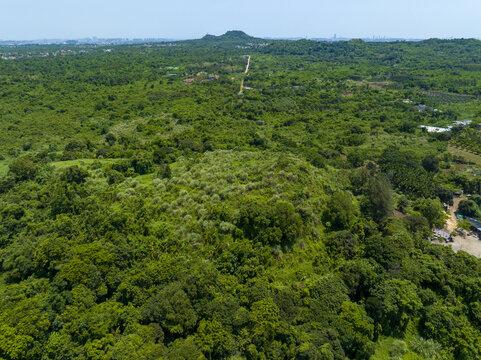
[(233, 35), (229, 39)]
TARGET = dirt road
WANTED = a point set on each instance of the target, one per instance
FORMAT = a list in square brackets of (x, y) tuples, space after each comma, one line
[(452, 222), (245, 73), (248, 63)]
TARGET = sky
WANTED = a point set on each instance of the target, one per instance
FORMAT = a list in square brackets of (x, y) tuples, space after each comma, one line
[(189, 19)]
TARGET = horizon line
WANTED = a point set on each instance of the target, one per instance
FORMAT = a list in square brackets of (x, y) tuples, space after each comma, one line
[(335, 37)]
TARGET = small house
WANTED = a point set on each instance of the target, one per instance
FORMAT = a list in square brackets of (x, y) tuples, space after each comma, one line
[(435, 129), (462, 123), (420, 107)]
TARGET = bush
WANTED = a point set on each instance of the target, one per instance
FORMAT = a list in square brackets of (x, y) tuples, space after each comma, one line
[(342, 243), (26, 146), (431, 164), (340, 211), (114, 177), (164, 172), (142, 163), (76, 145), (468, 208), (6, 183), (428, 349), (23, 168), (355, 158), (110, 139), (277, 224), (398, 349), (121, 166), (74, 174)]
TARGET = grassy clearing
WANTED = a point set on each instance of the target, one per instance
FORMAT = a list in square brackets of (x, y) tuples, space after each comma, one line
[(467, 155), (80, 162), (58, 165), (464, 110), (145, 179), (3, 168), (383, 347)]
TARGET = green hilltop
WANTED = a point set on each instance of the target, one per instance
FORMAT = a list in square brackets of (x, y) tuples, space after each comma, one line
[(232, 35), (230, 38)]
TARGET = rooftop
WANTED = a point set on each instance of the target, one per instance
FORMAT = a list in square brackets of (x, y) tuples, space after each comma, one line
[(474, 223)]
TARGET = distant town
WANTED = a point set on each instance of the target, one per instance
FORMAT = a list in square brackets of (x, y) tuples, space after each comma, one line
[(84, 41), (126, 41)]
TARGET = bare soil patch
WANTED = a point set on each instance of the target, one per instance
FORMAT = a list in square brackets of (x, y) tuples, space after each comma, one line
[(468, 243)]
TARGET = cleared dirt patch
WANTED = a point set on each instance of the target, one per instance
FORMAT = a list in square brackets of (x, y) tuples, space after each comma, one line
[(459, 166), (452, 222), (397, 214), (469, 243)]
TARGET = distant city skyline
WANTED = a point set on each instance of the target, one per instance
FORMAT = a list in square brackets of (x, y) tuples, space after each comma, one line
[(119, 41), (188, 19)]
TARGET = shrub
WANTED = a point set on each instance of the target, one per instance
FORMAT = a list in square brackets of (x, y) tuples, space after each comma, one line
[(74, 174), (142, 163), (23, 168), (398, 349), (277, 224), (164, 172)]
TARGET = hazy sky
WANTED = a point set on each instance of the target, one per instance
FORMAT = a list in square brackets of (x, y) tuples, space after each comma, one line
[(34, 19)]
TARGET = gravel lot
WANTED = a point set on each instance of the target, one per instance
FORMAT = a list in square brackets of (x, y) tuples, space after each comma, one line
[(469, 243)]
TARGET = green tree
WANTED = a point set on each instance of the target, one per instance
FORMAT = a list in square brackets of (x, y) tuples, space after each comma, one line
[(23, 168), (380, 198), (172, 309), (390, 248), (278, 224), (394, 302), (398, 349), (431, 163), (340, 211), (356, 330), (214, 339), (450, 327), (142, 163), (265, 320), (468, 208), (432, 210), (74, 174)]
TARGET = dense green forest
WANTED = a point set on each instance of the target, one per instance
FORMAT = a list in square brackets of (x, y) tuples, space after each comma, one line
[(150, 211)]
